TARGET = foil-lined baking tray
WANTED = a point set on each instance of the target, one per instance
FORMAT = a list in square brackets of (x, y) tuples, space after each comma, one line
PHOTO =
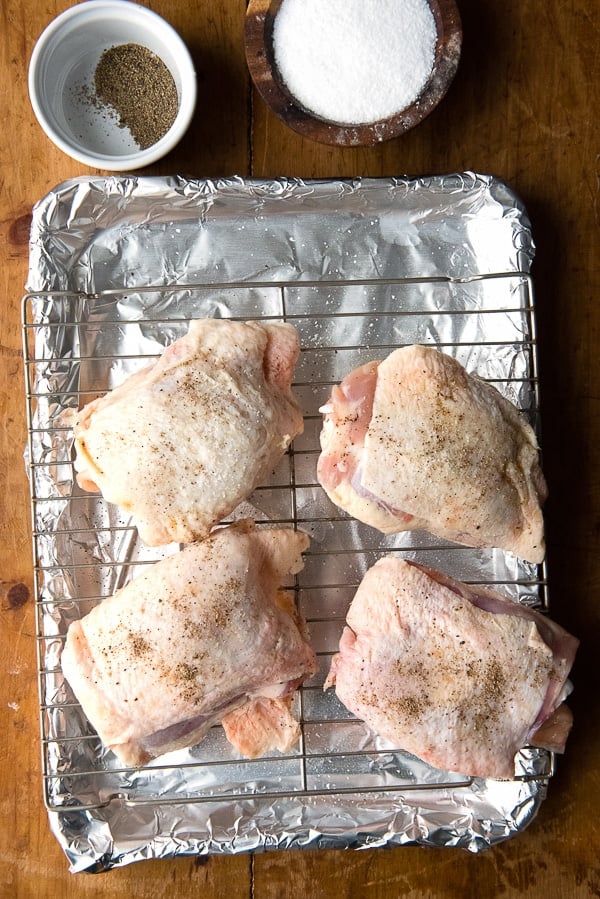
[(118, 267)]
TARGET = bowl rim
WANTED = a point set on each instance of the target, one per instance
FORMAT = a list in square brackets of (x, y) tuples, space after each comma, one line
[(258, 29), (187, 100)]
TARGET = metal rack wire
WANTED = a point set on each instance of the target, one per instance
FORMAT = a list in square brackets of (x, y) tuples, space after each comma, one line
[(77, 346)]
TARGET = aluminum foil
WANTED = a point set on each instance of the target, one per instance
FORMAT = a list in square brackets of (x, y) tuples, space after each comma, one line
[(118, 266)]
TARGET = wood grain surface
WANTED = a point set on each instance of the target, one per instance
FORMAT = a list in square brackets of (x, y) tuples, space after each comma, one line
[(523, 106)]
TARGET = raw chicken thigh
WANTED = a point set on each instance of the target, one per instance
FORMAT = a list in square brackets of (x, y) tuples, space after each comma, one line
[(181, 443), (458, 676), (203, 636), (414, 442)]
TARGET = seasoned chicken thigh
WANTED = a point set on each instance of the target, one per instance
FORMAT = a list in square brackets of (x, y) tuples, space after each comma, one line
[(414, 442), (458, 676), (181, 443), (204, 636)]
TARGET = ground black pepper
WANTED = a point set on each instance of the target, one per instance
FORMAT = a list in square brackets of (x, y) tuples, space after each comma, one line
[(138, 86)]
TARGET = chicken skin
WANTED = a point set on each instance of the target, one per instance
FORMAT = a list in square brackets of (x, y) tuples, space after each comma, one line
[(415, 442), (181, 443), (458, 676), (204, 636)]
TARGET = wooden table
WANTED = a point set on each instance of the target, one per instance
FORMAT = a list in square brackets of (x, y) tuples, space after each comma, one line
[(524, 106)]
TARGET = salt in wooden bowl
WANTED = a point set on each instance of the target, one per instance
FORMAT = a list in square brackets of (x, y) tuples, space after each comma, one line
[(260, 57)]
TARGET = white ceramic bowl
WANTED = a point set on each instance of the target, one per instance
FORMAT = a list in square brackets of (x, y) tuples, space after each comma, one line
[(65, 58)]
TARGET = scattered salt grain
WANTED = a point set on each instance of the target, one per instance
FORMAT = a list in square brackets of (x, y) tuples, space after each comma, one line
[(354, 61)]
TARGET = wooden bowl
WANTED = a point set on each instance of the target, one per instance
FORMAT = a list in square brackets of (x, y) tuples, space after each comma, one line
[(258, 34)]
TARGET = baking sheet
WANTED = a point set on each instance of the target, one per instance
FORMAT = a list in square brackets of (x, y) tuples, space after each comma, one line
[(118, 266)]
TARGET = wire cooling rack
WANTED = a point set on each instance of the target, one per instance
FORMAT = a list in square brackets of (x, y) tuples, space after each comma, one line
[(77, 346)]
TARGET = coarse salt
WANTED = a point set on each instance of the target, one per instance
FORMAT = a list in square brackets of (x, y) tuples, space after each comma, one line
[(354, 61)]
